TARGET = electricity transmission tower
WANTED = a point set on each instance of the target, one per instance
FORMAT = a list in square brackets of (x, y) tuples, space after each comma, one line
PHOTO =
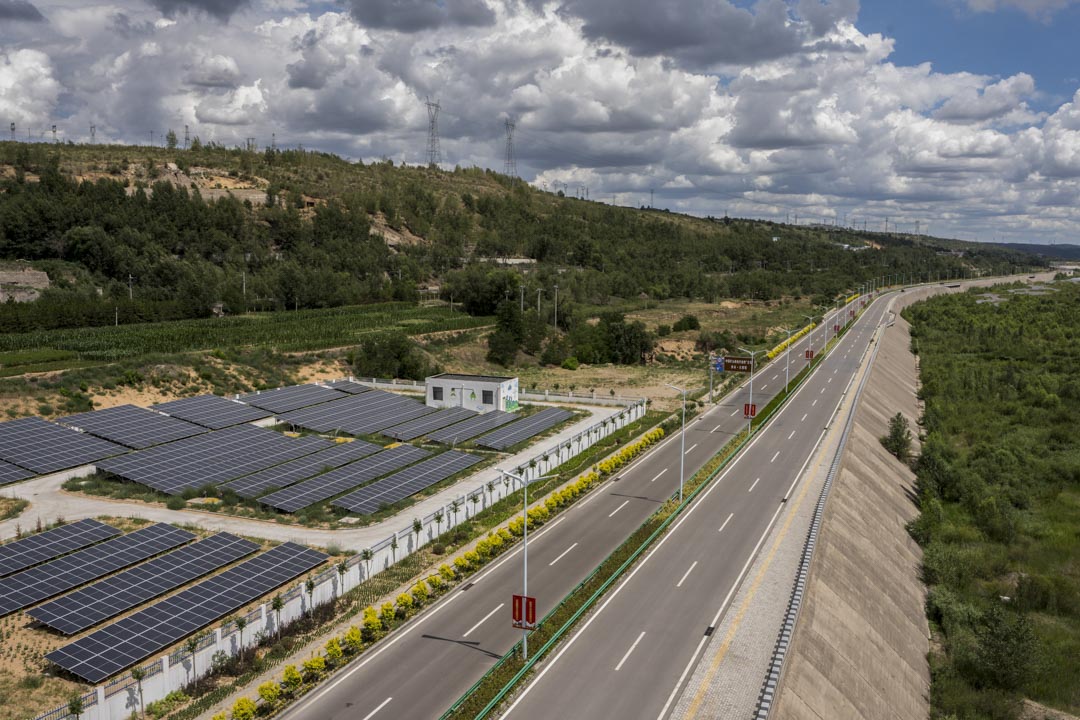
[(433, 151), (510, 167), (93, 134)]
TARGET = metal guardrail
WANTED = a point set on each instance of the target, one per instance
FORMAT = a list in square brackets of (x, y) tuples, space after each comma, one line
[(787, 630)]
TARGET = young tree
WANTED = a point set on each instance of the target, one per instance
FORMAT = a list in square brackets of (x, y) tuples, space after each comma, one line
[(75, 705), (191, 645), (240, 623), (138, 674), (342, 567), (277, 604), (366, 555), (898, 441), (170, 139), (417, 528), (309, 586), (438, 521)]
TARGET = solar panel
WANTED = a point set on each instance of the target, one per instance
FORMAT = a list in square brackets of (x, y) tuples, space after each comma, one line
[(359, 414), (524, 429), (130, 640), (428, 423), (349, 386), (40, 583), (212, 411), (286, 474), (210, 459), (411, 480), (44, 447), (119, 593), (343, 479), (12, 473), (469, 429), (30, 551), (293, 397), (133, 426)]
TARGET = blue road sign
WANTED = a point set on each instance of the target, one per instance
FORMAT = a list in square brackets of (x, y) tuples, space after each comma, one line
[(718, 364)]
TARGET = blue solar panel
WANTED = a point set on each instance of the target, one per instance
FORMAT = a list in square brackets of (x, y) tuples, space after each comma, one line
[(30, 551), (524, 428), (212, 411), (468, 429), (43, 447), (371, 498), (133, 426), (292, 397), (286, 474)]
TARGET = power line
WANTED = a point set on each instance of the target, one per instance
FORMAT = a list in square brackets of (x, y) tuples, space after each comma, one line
[(433, 150), (510, 166)]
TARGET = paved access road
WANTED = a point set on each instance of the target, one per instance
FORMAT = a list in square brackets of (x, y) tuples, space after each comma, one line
[(635, 651), (425, 666)]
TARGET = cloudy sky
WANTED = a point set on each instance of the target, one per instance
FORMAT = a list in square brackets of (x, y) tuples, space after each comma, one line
[(961, 116)]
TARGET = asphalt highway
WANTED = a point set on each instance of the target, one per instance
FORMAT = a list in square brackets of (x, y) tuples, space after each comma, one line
[(420, 670), (635, 651)]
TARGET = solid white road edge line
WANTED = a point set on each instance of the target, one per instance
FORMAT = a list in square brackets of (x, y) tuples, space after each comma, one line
[(630, 651)]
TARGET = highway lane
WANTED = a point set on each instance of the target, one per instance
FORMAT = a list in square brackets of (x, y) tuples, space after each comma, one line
[(630, 658), (426, 665)]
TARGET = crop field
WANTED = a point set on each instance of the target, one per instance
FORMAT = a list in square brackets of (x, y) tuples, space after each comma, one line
[(283, 331)]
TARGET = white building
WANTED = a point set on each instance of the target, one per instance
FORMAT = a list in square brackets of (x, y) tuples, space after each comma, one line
[(482, 393)]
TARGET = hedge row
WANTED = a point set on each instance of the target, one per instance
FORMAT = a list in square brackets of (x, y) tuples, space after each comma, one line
[(628, 453), (789, 341)]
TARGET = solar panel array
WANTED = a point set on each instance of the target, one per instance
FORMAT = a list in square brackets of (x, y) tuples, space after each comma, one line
[(292, 397), (44, 447), (40, 583), (524, 429), (428, 423), (30, 551), (133, 426), (469, 429), (343, 479), (411, 480), (87, 607), (12, 473), (212, 411), (349, 386), (359, 414), (130, 640), (210, 459), (286, 474)]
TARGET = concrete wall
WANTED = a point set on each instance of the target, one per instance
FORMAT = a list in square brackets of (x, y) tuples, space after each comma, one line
[(859, 649)]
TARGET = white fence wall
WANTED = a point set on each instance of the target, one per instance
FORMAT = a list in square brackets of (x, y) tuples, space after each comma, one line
[(119, 697)]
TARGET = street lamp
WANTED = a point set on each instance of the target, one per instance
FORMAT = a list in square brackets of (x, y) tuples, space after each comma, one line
[(753, 363), (525, 550), (787, 364), (810, 360), (682, 441)]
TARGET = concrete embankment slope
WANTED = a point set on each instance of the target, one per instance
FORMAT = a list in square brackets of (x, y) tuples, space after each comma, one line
[(859, 649)]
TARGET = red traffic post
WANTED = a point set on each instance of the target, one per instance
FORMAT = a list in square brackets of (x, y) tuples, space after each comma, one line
[(530, 611), (746, 410), (753, 409), (516, 609), (523, 609), (836, 328)]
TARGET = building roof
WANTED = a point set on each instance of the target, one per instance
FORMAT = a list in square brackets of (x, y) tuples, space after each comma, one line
[(471, 378)]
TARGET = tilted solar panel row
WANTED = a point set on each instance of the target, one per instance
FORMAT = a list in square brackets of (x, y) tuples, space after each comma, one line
[(468, 429), (281, 476), (524, 429), (44, 447), (212, 411), (133, 426), (210, 459), (343, 479), (130, 640), (428, 423), (85, 608), (292, 397), (350, 386), (12, 473), (43, 582), (30, 551), (411, 480), (359, 414)]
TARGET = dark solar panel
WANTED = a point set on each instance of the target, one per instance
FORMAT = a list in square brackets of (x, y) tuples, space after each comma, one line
[(293, 397), (44, 447), (12, 473), (346, 478), (30, 551), (210, 459), (428, 423), (212, 411), (349, 386), (411, 480), (40, 583), (524, 428), (468, 429), (104, 653), (294, 471), (359, 414), (87, 607), (133, 426)]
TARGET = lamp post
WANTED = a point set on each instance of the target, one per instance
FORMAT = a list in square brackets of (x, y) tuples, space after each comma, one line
[(682, 441), (525, 550), (753, 363), (556, 308), (787, 364)]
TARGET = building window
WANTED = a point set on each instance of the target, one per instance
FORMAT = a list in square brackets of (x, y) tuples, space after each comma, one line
[(436, 393), (489, 397)]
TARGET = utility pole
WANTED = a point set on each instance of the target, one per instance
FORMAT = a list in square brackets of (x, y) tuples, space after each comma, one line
[(753, 364), (151, 138), (131, 279), (93, 135), (54, 134), (556, 308), (525, 552), (510, 164), (522, 288), (651, 193), (538, 291), (682, 448), (433, 151), (12, 132), (187, 139)]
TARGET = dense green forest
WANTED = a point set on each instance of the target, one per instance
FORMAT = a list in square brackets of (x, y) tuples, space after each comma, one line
[(999, 489), (132, 246)]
